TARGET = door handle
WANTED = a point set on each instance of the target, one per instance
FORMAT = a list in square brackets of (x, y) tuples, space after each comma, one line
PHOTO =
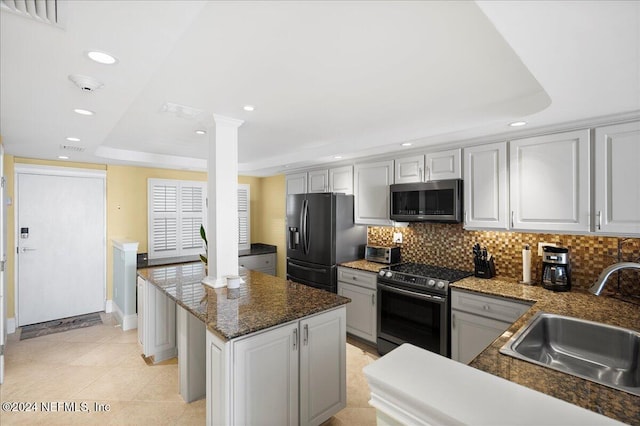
[(306, 334), (25, 249), (295, 339)]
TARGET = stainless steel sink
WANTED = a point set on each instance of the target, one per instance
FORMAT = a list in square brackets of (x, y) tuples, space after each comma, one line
[(601, 353)]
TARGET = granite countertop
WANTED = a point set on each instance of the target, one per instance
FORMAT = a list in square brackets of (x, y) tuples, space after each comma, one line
[(613, 403), (262, 301), (258, 248), (364, 265)]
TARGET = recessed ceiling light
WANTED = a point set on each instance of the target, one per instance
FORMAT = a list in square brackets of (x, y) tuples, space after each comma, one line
[(201, 132), (338, 157), (83, 111), (71, 139), (248, 107), (101, 57), (517, 123), (406, 144), (63, 157)]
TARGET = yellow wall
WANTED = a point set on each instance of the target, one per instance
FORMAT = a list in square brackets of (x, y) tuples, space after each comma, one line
[(127, 210)]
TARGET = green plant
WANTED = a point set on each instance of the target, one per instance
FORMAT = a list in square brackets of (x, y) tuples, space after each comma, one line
[(203, 235)]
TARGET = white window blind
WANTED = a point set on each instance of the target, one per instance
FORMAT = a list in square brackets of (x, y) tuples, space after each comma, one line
[(244, 215), (176, 211)]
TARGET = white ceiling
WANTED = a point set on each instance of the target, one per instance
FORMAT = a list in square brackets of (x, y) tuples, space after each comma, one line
[(327, 78)]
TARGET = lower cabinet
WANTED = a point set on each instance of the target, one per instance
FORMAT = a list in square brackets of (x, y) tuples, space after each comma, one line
[(292, 374), (156, 322), (478, 320), (360, 287), (259, 262)]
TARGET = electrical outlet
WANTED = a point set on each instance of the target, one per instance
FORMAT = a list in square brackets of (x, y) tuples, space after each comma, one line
[(397, 237), (540, 245)]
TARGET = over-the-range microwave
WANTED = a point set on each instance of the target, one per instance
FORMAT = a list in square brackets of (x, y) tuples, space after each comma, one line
[(434, 201)]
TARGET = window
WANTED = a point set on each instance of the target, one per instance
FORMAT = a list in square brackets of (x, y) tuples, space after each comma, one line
[(244, 215), (176, 211)]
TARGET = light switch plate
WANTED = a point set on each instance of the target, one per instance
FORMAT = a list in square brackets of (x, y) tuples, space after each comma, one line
[(397, 237)]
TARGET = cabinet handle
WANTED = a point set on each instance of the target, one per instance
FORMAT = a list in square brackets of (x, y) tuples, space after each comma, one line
[(306, 334), (428, 174), (453, 320), (599, 214), (421, 173), (295, 339), (512, 214), (354, 278), (465, 217)]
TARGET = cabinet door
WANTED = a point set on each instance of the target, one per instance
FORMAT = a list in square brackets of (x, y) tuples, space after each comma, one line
[(371, 191), (409, 169), (296, 183), (265, 368), (160, 319), (443, 165), (471, 334), (319, 181), (550, 182), (140, 302), (322, 366), (485, 186), (341, 180), (617, 179), (361, 312)]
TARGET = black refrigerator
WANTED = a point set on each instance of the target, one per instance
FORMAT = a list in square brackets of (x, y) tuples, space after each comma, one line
[(321, 234)]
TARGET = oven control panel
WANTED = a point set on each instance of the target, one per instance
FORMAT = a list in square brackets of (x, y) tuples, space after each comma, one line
[(413, 280)]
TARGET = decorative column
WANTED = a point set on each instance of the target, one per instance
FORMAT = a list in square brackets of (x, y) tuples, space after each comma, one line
[(222, 195)]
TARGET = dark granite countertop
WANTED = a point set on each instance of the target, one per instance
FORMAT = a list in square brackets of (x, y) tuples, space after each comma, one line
[(148, 263), (262, 301), (364, 265), (612, 403), (258, 248)]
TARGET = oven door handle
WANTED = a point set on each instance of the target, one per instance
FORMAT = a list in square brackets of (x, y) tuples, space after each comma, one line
[(430, 298)]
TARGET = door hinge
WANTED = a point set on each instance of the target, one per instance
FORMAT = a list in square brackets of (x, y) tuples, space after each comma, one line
[(1, 270), (2, 181)]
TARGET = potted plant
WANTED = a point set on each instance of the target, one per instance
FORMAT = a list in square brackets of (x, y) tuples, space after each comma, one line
[(203, 257)]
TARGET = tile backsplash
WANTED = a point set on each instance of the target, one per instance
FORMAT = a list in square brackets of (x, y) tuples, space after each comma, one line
[(449, 245)]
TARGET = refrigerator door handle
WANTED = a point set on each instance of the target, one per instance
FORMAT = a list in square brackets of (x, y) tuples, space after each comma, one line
[(306, 268), (302, 225), (307, 242)]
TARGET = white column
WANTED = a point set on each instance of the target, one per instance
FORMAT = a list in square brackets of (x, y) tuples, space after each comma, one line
[(222, 194)]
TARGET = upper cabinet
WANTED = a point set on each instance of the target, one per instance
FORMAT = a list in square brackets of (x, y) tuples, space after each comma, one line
[(371, 190), (432, 166), (485, 186), (338, 179), (617, 179), (296, 183), (443, 165), (549, 179)]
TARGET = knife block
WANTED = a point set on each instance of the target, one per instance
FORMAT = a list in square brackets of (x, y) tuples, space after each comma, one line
[(486, 269)]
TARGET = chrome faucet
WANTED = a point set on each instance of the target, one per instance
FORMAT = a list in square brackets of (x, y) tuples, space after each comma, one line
[(597, 287)]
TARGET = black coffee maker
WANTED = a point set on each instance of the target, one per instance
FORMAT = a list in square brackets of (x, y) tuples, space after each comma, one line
[(556, 268)]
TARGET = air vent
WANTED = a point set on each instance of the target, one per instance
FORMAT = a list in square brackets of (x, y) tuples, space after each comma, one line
[(46, 11), (72, 148), (181, 111)]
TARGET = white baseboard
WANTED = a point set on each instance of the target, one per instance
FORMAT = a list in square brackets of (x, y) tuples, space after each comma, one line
[(128, 322), (117, 313), (11, 325), (108, 306)]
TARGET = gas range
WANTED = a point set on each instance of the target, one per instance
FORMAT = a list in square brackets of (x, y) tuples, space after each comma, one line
[(422, 277)]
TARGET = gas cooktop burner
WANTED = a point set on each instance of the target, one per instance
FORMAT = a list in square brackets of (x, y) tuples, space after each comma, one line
[(421, 276)]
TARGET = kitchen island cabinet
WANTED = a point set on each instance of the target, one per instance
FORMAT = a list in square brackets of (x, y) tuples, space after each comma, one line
[(250, 333)]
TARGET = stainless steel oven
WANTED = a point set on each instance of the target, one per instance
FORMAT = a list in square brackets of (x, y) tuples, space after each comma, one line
[(413, 306)]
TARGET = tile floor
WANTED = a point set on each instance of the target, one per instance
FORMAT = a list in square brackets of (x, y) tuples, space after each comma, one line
[(102, 366)]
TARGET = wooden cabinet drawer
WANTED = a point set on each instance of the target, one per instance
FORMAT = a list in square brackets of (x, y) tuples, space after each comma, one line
[(361, 278), (259, 261), (491, 307)]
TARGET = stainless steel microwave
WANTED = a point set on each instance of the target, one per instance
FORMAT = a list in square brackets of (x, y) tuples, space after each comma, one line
[(434, 201), (381, 254)]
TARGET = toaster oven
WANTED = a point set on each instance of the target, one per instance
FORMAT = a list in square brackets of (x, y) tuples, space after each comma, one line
[(381, 254)]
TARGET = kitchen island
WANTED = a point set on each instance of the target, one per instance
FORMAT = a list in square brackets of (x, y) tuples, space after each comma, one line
[(275, 350)]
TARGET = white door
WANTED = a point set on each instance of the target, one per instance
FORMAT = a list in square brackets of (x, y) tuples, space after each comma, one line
[(3, 258), (61, 246)]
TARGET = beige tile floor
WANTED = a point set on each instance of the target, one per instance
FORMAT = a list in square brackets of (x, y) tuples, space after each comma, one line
[(102, 366)]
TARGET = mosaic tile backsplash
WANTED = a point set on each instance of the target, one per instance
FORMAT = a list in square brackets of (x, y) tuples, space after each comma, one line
[(449, 245)]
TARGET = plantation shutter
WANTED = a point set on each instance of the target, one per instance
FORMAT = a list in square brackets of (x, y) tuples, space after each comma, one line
[(176, 211), (244, 231)]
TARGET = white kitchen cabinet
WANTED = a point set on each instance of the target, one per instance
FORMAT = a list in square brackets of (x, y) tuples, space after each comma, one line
[(371, 191), (291, 374), (443, 165), (409, 169), (477, 320), (341, 180), (259, 262), (485, 186), (296, 183), (360, 287), (318, 181), (617, 179), (156, 322), (549, 180)]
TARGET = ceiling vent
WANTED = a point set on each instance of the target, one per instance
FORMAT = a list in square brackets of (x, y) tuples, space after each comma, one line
[(72, 148), (51, 12), (85, 83), (181, 111)]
